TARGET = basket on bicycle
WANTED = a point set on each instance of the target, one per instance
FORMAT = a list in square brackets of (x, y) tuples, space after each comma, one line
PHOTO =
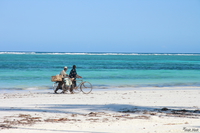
[(56, 78)]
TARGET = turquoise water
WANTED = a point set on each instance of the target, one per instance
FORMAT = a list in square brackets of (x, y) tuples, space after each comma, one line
[(33, 70)]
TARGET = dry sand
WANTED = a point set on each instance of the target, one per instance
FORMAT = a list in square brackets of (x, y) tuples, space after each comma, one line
[(125, 110)]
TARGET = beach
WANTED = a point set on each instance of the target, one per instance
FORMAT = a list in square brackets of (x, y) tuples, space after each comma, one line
[(141, 59), (116, 110)]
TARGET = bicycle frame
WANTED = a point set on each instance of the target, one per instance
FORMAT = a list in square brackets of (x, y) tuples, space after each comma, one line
[(84, 86)]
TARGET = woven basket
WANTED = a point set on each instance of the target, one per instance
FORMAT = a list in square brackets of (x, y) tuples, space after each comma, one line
[(56, 78)]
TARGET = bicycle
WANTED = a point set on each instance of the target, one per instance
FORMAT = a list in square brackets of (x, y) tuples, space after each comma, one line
[(84, 86)]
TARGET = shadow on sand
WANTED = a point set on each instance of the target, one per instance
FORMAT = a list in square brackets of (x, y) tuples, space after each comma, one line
[(113, 108)]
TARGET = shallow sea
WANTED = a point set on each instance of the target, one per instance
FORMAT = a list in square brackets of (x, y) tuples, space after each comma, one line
[(33, 70)]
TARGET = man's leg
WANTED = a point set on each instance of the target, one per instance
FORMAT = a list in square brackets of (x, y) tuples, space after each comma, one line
[(58, 87), (73, 85), (71, 88), (64, 88)]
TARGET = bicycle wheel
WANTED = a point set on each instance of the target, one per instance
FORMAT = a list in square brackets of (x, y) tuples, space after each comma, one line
[(55, 84), (86, 87), (75, 89)]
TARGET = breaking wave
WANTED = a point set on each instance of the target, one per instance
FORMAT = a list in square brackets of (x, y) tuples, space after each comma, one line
[(99, 53)]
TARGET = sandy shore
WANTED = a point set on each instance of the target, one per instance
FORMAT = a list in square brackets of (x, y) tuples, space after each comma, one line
[(141, 110)]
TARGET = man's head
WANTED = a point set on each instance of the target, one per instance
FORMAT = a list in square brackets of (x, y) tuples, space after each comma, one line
[(65, 68), (74, 66)]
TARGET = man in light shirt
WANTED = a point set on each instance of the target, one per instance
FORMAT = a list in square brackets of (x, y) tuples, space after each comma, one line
[(63, 72), (60, 83)]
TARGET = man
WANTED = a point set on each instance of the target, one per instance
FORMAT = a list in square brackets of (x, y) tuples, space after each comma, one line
[(73, 74), (60, 83), (63, 72)]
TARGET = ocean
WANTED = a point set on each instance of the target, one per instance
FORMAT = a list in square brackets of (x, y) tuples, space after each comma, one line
[(33, 70)]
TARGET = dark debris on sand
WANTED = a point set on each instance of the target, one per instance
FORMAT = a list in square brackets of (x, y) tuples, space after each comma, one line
[(167, 112), (126, 114)]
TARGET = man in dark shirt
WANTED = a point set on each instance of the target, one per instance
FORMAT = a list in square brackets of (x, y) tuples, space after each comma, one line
[(73, 74)]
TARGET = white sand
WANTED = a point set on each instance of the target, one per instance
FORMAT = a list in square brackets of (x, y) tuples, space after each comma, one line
[(140, 110)]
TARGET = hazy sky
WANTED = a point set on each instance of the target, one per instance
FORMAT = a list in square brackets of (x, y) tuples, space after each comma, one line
[(162, 26)]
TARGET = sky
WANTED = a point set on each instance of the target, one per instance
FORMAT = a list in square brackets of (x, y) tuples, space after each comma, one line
[(136, 26)]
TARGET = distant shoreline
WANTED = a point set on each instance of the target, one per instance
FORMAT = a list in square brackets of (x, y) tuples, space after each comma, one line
[(94, 53)]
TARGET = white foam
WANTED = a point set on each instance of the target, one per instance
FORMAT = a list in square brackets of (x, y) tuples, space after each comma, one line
[(17, 53), (101, 53), (31, 89)]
